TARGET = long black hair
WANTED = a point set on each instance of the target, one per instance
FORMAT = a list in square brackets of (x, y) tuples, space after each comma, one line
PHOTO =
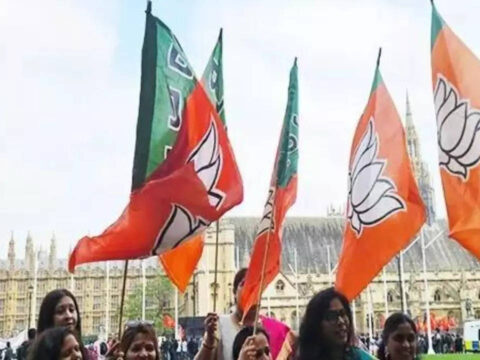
[(47, 310), (311, 344), (391, 325), (242, 335), (49, 344)]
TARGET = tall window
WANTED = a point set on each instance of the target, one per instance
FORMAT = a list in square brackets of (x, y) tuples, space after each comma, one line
[(390, 296), (437, 296), (97, 302)]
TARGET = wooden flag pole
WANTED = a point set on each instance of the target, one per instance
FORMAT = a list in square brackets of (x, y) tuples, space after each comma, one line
[(125, 269), (215, 275), (122, 299), (262, 275)]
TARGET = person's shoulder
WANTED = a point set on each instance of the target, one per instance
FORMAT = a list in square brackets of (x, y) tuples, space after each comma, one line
[(360, 354)]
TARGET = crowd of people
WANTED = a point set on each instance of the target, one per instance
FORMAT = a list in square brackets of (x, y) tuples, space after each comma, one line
[(326, 333)]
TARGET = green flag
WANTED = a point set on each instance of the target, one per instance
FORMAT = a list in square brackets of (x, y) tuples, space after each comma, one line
[(165, 85), (212, 78)]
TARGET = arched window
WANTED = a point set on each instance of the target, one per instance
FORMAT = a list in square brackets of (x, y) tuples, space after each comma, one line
[(390, 296), (437, 296), (280, 286), (271, 314)]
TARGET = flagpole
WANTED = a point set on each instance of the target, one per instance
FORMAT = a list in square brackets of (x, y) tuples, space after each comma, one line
[(400, 279), (262, 275), (35, 284), (385, 293), (297, 318), (215, 275), (354, 310), (144, 289), (122, 299), (425, 295), (125, 269), (330, 282), (370, 318), (176, 313), (107, 306)]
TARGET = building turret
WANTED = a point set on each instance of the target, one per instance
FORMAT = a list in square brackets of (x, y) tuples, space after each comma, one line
[(420, 168), (11, 253), (29, 254), (52, 255)]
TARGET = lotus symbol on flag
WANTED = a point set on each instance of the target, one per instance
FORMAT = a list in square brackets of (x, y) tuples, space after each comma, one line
[(372, 198), (267, 221), (458, 130), (182, 224)]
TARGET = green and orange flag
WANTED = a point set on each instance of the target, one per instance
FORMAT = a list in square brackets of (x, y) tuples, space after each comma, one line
[(384, 210), (180, 263), (212, 79), (281, 196), (174, 198), (456, 89)]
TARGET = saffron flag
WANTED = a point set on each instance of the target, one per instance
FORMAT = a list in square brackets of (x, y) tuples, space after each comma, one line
[(174, 198), (384, 208), (281, 196), (456, 89), (180, 262)]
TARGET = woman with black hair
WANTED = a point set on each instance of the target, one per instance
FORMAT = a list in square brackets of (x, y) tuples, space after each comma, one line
[(59, 308), (247, 346), (399, 339), (326, 332), (59, 343)]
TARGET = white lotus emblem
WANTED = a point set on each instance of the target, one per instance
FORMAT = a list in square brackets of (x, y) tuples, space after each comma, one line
[(181, 223), (372, 198), (267, 221), (458, 130)]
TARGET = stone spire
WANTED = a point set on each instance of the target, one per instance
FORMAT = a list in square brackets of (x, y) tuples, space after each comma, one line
[(420, 168), (413, 145), (29, 253), (52, 255), (11, 253)]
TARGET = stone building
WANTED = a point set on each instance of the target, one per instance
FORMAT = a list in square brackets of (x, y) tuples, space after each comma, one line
[(420, 167), (453, 276)]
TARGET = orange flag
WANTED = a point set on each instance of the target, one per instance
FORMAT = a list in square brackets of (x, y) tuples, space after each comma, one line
[(173, 198), (456, 88), (385, 209), (281, 196)]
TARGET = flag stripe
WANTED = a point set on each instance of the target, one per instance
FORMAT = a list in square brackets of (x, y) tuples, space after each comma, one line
[(437, 25), (147, 103)]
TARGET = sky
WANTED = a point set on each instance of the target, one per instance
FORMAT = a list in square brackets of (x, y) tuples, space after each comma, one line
[(69, 91)]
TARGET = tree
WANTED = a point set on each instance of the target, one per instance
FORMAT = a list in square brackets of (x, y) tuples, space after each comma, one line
[(158, 303)]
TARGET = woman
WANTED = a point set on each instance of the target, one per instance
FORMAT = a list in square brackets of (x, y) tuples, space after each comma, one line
[(139, 341), (246, 346), (220, 331), (59, 343), (399, 339), (59, 308), (326, 332)]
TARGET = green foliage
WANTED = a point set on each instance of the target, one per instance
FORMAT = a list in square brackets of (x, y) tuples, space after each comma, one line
[(158, 300)]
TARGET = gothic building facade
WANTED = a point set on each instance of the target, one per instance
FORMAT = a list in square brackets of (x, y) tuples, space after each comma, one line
[(453, 278), (420, 167)]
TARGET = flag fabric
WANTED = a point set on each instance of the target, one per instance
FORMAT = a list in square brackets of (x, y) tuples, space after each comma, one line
[(384, 210), (212, 78), (281, 196), (176, 198), (456, 89), (180, 262)]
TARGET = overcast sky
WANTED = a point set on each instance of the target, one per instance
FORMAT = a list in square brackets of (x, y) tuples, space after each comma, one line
[(69, 90)]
